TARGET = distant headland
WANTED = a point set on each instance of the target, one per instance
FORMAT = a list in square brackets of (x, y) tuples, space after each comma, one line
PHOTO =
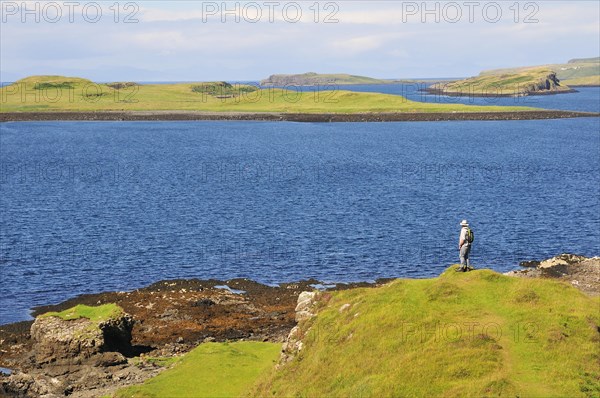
[(524, 81), (312, 78)]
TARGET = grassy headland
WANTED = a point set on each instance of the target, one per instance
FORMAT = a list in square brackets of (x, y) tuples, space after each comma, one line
[(528, 81), (478, 334), (55, 93)]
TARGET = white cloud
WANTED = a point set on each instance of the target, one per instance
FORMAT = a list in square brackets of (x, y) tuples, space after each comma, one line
[(370, 38)]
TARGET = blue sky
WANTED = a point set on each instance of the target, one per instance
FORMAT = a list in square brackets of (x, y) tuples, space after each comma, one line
[(188, 40)]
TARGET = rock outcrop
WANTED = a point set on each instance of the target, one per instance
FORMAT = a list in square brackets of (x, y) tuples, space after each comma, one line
[(305, 306), (305, 310), (581, 272), (70, 354), (550, 83), (56, 339)]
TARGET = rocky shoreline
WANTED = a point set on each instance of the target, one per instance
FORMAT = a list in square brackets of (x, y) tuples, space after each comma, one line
[(50, 358), (579, 271), (288, 117), (170, 318)]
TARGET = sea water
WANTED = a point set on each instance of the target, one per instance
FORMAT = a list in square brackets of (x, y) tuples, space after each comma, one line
[(99, 206)]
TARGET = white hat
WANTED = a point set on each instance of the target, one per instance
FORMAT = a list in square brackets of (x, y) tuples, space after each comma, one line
[(464, 223)]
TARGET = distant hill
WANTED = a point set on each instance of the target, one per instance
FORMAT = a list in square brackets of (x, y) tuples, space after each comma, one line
[(511, 83), (52, 81), (591, 81), (312, 78), (584, 60)]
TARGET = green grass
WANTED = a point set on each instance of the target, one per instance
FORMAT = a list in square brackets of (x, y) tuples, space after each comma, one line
[(210, 370), (575, 68), (509, 83), (87, 96), (476, 334), (584, 81), (95, 314), (159, 361)]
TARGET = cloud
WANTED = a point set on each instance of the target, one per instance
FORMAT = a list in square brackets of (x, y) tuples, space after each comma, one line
[(171, 39)]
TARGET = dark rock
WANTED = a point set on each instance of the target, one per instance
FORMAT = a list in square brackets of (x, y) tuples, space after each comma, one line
[(203, 303), (107, 359), (528, 264)]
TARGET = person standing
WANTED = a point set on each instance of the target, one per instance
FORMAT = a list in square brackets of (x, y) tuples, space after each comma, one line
[(465, 241)]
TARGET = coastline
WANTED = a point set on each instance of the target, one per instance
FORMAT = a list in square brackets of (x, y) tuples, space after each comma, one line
[(172, 317), (584, 85), (435, 91), (286, 117)]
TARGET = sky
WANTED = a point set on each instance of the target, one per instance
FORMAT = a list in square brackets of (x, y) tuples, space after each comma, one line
[(215, 40)]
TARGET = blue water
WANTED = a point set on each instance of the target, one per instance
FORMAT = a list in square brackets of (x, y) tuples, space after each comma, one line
[(586, 99), (89, 207)]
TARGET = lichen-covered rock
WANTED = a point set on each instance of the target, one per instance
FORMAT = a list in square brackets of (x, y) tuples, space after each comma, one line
[(305, 309), (305, 306), (56, 339), (562, 259)]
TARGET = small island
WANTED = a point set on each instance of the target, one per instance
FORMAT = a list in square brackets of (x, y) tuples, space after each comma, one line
[(73, 98), (312, 78)]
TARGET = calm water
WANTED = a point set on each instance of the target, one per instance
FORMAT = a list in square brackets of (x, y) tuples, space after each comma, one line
[(587, 99), (88, 207)]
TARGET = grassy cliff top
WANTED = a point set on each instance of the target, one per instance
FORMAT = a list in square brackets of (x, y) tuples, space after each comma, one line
[(94, 314), (211, 97), (476, 334)]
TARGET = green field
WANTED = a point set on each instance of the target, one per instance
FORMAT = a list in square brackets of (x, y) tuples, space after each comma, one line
[(57, 93), (584, 81), (476, 334), (211, 370), (573, 69)]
